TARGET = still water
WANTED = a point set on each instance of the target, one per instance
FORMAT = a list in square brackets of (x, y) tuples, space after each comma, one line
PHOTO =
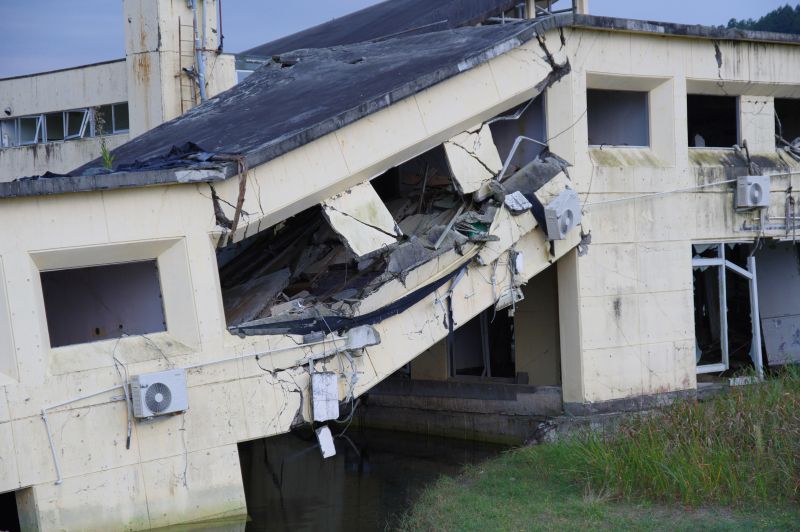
[(371, 481)]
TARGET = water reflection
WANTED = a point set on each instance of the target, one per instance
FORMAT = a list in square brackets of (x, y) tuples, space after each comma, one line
[(372, 479)]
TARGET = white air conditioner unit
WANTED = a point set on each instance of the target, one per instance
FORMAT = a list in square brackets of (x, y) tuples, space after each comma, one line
[(752, 192), (562, 215), (156, 394)]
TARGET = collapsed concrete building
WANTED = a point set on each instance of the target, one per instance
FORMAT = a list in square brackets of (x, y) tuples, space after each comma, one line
[(572, 207)]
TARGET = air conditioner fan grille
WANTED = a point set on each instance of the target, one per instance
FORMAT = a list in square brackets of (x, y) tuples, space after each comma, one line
[(158, 397)]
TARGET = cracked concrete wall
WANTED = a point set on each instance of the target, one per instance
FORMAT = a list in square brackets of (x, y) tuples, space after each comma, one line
[(633, 291)]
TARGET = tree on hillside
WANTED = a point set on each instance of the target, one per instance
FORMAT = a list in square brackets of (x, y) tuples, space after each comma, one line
[(785, 19)]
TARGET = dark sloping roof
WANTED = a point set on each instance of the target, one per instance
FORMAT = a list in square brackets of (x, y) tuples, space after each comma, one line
[(279, 109), (392, 17), (312, 92)]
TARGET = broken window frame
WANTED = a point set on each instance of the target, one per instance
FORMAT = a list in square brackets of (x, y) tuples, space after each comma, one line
[(723, 265)]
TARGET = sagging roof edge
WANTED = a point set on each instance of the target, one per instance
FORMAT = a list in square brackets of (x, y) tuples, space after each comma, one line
[(276, 147)]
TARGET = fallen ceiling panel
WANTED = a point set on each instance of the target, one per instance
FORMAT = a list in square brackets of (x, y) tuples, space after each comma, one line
[(362, 221)]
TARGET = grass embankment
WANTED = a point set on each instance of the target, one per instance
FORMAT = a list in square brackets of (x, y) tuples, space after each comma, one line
[(731, 463)]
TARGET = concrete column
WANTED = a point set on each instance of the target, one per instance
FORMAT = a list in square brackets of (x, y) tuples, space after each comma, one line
[(582, 7), (570, 330), (530, 8), (159, 45)]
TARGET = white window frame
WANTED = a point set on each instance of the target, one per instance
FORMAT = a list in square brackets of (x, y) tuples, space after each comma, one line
[(723, 265)]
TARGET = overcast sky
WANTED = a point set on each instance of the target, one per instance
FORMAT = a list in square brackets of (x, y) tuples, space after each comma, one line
[(41, 35)]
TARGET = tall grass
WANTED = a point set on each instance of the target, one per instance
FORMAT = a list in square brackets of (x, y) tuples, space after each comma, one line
[(741, 448)]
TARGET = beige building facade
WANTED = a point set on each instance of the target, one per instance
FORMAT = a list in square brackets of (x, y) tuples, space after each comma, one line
[(609, 311), (57, 121)]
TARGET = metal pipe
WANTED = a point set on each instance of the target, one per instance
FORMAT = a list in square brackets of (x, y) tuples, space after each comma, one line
[(219, 25), (723, 309), (755, 318), (513, 151), (200, 58)]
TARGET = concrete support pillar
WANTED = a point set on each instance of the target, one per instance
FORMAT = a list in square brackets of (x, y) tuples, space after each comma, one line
[(530, 8), (570, 330), (757, 123), (582, 7), (160, 48)]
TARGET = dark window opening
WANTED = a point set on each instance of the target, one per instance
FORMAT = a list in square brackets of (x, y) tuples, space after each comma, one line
[(9, 518), (618, 118), (55, 126), (787, 119), (713, 121), (101, 302), (121, 121), (76, 123), (531, 123), (30, 130), (103, 120), (484, 346)]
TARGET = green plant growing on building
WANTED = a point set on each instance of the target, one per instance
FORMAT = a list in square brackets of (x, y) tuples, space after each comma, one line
[(99, 128)]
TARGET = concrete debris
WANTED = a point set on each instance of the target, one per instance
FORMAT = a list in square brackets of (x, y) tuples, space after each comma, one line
[(517, 203), (362, 220), (290, 307), (360, 337), (320, 265), (249, 300), (473, 159), (490, 190), (509, 297)]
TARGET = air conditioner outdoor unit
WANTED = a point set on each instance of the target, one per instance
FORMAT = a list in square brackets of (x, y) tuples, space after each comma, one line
[(562, 215), (752, 192), (156, 394)]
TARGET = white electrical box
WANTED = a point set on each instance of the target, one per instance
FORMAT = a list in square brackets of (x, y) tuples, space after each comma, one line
[(157, 394), (752, 192), (324, 396), (325, 440), (562, 215)]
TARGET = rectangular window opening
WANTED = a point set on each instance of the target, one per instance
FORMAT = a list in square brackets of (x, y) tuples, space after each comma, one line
[(54, 126), (76, 123), (618, 118), (30, 129), (530, 123), (8, 133), (121, 120), (787, 120), (101, 302), (484, 347), (713, 121)]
